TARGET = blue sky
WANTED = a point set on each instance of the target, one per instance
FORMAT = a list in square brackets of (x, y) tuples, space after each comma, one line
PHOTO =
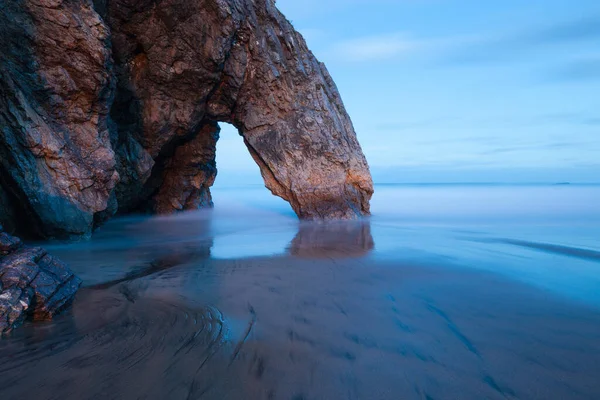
[(458, 90)]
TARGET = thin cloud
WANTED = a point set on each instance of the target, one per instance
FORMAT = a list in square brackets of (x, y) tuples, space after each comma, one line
[(569, 118), (534, 147), (469, 49), (526, 44), (405, 125), (376, 48), (570, 31), (572, 119), (311, 8), (579, 70), (397, 45), (591, 121)]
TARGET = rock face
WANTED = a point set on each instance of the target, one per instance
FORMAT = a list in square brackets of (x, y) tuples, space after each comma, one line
[(114, 107), (32, 283), (56, 87)]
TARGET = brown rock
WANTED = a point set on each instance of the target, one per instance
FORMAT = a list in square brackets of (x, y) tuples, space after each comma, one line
[(188, 174), (185, 64), (8, 243), (55, 91), (82, 137), (33, 284)]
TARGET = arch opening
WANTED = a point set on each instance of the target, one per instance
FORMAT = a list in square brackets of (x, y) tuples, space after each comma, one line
[(239, 185)]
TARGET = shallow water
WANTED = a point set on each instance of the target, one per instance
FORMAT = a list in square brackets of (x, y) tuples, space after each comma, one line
[(446, 292)]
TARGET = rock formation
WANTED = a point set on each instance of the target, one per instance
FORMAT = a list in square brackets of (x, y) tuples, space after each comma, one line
[(32, 283), (114, 107), (56, 86)]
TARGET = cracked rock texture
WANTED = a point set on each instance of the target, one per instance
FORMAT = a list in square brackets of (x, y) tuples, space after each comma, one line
[(56, 86), (33, 284), (113, 106)]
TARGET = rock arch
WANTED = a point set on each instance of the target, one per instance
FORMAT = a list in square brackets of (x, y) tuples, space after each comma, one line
[(157, 76)]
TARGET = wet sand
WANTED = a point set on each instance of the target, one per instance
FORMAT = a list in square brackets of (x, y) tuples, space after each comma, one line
[(373, 310), (308, 328)]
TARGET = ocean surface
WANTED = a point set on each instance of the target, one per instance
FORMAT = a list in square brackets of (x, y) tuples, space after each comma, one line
[(446, 292)]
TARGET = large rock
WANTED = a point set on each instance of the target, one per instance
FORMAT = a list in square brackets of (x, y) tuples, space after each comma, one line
[(56, 88), (7, 213), (115, 108), (33, 284)]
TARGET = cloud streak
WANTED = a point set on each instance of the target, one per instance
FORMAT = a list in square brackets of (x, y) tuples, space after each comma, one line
[(527, 44), (469, 49), (578, 71), (398, 45), (377, 48), (570, 31)]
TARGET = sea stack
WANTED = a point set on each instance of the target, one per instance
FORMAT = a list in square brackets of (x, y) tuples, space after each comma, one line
[(113, 107)]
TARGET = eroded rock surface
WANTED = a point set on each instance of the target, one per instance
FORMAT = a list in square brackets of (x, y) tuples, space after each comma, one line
[(113, 107), (33, 284), (56, 87)]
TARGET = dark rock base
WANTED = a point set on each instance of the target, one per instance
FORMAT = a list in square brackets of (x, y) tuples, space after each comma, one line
[(33, 284)]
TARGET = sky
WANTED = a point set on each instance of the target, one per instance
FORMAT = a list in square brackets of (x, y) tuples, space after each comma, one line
[(458, 90)]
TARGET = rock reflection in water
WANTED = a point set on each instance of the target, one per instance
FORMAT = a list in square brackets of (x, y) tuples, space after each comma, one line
[(332, 240), (131, 248)]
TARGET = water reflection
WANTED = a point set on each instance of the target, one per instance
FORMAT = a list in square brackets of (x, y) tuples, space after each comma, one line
[(333, 240), (132, 248)]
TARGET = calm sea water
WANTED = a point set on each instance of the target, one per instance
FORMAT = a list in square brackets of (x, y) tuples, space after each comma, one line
[(447, 291), (544, 235)]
